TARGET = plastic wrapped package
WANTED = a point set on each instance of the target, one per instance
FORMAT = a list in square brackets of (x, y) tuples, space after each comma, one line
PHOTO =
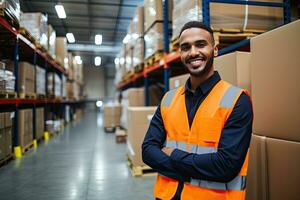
[(154, 39), (138, 52), (40, 80), (36, 24), (229, 16), (7, 81), (58, 86), (12, 7), (51, 41)]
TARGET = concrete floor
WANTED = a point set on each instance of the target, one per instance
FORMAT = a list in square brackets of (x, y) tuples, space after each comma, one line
[(81, 163)]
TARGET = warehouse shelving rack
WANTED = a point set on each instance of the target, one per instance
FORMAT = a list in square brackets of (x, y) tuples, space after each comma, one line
[(165, 68), (16, 47)]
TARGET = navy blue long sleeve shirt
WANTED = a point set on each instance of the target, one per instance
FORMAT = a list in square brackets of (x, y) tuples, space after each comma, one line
[(221, 166)]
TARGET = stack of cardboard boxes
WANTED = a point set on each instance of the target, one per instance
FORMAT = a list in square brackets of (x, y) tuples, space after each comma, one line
[(36, 24), (274, 153), (40, 81), (61, 50), (25, 135), (7, 79), (153, 25), (12, 7), (51, 41), (26, 78), (39, 123), (5, 135), (112, 115)]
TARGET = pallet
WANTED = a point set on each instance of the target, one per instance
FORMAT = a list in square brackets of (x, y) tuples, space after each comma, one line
[(5, 160), (154, 58), (27, 95), (143, 170), (23, 31), (109, 129), (27, 147), (40, 96), (139, 68), (226, 37), (128, 75), (9, 18), (8, 95)]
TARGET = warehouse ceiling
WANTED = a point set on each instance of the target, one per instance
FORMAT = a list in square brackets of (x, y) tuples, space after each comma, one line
[(85, 19)]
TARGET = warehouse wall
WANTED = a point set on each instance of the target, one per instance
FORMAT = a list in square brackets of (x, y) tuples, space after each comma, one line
[(110, 78), (94, 82)]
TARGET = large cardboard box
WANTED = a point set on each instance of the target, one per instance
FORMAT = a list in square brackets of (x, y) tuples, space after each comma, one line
[(153, 12), (51, 41), (138, 22), (177, 81), (25, 135), (135, 97), (138, 123), (2, 121), (8, 141), (39, 123), (2, 144), (61, 50), (275, 82), (273, 169), (138, 52), (235, 69), (112, 115), (26, 77)]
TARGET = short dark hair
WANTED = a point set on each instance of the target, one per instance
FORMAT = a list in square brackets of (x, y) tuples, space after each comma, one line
[(197, 24)]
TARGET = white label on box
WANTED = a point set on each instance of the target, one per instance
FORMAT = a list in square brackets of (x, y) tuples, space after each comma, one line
[(130, 149), (12, 115), (176, 83), (149, 117)]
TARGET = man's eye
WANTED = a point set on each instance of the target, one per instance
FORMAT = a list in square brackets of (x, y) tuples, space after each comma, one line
[(200, 45), (184, 47)]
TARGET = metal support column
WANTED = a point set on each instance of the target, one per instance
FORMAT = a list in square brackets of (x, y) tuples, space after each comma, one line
[(287, 11), (34, 106), (46, 92), (206, 12), (166, 79), (166, 26), (146, 86)]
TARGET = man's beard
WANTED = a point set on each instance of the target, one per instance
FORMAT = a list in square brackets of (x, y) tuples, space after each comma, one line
[(206, 69)]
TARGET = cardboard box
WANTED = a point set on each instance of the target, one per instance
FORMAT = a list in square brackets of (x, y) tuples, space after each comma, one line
[(8, 141), (2, 121), (138, 52), (235, 68), (135, 97), (112, 116), (39, 123), (61, 50), (25, 134), (177, 81), (138, 22), (275, 82), (8, 119), (138, 123), (2, 144), (153, 12), (51, 41), (273, 169), (26, 77)]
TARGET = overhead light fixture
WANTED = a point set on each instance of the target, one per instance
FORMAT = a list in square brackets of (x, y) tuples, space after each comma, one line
[(97, 61), (98, 39), (70, 37), (60, 10), (117, 61)]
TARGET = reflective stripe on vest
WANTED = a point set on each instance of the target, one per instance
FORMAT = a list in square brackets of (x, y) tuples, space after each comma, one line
[(238, 183), (229, 97), (168, 98)]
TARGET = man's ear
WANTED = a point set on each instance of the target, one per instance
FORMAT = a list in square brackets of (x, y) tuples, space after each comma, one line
[(216, 50)]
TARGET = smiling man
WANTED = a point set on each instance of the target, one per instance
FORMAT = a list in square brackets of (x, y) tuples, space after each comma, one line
[(199, 137)]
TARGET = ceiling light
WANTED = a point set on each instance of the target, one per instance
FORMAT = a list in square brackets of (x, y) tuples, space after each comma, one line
[(98, 39), (60, 11), (97, 61), (78, 60), (117, 61), (70, 37)]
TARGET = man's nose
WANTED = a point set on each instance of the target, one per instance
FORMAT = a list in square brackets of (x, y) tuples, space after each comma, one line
[(194, 51)]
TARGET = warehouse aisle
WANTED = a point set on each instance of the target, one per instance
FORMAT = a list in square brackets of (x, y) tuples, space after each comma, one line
[(82, 163)]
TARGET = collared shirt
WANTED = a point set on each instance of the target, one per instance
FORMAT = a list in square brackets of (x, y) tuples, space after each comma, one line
[(221, 166)]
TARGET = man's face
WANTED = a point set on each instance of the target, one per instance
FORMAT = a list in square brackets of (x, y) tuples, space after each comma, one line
[(197, 50)]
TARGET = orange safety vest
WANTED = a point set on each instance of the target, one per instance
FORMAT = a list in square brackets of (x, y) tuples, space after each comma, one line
[(203, 137)]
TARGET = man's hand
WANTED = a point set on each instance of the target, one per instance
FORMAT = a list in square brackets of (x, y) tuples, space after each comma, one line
[(167, 150)]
